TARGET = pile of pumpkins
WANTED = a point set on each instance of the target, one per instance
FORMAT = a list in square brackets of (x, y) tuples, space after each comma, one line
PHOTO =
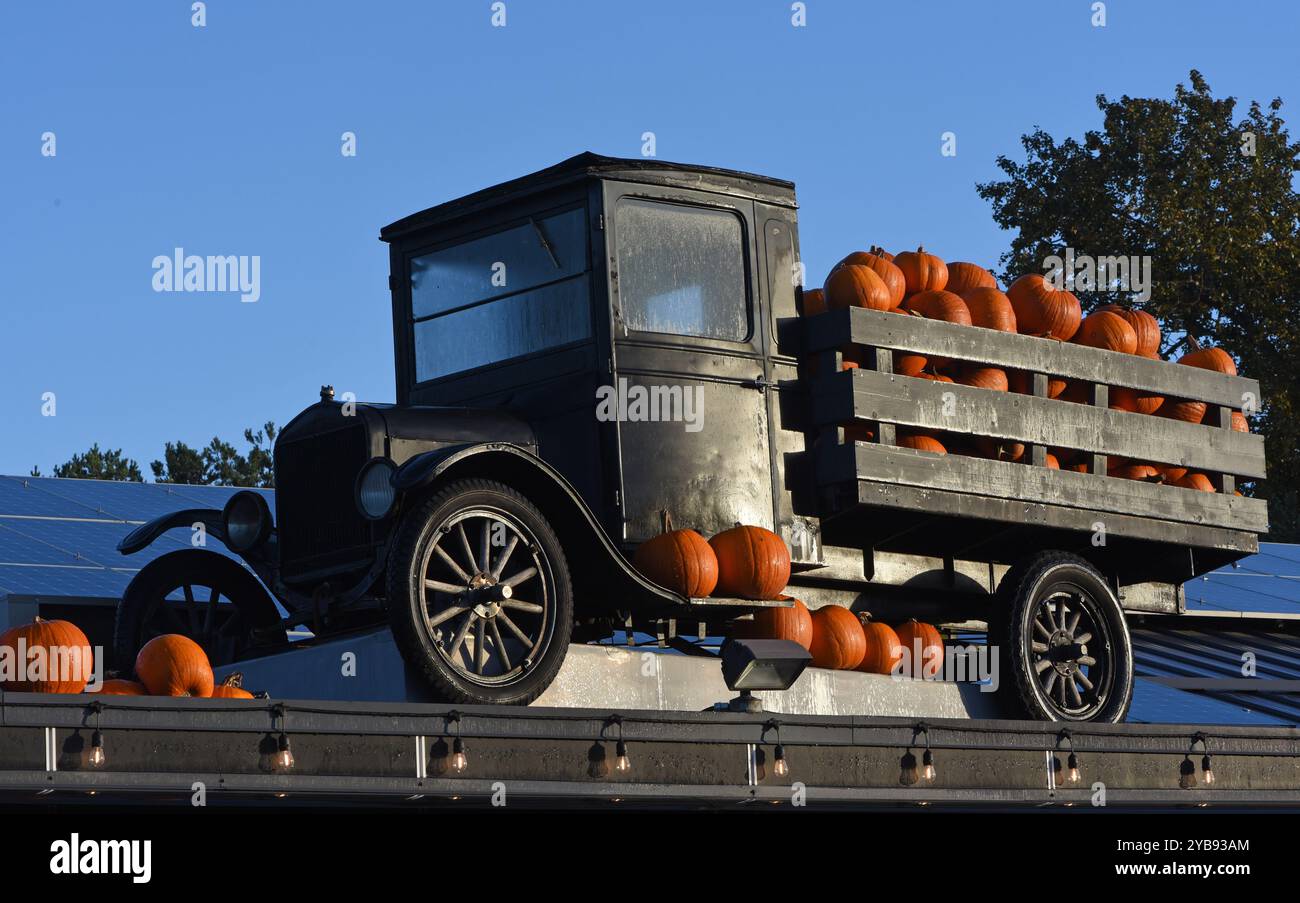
[(748, 562), (167, 665), (918, 283)]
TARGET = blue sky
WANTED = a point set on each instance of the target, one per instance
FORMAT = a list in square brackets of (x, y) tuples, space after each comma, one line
[(225, 140)]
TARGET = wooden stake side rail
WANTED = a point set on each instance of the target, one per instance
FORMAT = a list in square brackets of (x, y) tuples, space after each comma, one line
[(1091, 493), (870, 395), (878, 329)]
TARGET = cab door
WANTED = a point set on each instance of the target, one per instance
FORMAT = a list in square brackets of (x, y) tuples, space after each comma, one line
[(687, 402)]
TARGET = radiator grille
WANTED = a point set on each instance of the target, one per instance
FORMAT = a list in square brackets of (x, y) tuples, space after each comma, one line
[(316, 515)]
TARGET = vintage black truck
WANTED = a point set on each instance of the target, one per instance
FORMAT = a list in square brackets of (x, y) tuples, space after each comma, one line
[(490, 514)]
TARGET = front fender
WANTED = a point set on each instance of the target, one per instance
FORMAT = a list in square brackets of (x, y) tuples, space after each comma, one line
[(144, 535), (604, 581)]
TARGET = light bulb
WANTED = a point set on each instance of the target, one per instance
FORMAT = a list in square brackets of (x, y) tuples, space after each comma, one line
[(908, 775), (779, 766), (621, 761), (97, 758), (1073, 763), (459, 761), (283, 755), (1209, 771), (1186, 774), (927, 763)]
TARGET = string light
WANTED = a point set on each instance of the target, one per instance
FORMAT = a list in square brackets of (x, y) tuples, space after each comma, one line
[(459, 761), (1207, 768), (1186, 774), (96, 759), (622, 763), (283, 760), (780, 766), (1072, 774)]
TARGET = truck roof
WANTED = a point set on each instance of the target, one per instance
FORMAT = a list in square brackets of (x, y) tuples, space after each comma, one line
[(590, 165)]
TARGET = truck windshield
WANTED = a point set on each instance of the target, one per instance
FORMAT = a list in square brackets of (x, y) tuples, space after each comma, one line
[(501, 296), (681, 270)]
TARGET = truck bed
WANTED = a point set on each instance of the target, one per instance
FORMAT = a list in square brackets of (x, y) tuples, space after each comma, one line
[(993, 509)]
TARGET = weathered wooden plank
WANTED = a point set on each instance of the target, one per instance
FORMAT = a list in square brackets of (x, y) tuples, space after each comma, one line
[(924, 404), (977, 507), (1026, 483), (931, 337)]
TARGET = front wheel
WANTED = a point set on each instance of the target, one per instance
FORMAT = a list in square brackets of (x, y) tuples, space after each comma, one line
[(479, 595), (1063, 634)]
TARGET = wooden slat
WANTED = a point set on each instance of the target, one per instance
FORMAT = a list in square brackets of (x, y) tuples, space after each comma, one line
[(1012, 511), (1038, 485), (912, 402), (931, 337)]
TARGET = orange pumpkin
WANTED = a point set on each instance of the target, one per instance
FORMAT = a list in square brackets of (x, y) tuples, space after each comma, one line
[(1171, 473), (814, 302), (1145, 327), (853, 285), (1186, 411), (922, 271), (908, 364), (935, 377), (779, 624), (962, 277), (883, 267), (118, 687), (922, 442), (990, 309), (837, 638), (984, 378), (64, 663), (1108, 331), (1000, 449), (1209, 359), (884, 651), (1127, 471), (940, 305), (1137, 401), (1022, 383), (231, 688), (679, 560), (753, 563), (1197, 481), (1043, 310), (1051, 462), (924, 648), (174, 665)]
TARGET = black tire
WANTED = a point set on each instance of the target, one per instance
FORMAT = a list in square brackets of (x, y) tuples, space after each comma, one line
[(1063, 638), (248, 619), (517, 644)]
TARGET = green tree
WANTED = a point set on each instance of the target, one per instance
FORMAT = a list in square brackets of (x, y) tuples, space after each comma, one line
[(1210, 197), (219, 462), (96, 464)]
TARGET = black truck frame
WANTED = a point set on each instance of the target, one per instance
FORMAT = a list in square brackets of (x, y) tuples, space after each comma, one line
[(490, 514)]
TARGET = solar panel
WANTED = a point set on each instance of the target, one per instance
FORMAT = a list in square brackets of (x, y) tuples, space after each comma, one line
[(58, 538)]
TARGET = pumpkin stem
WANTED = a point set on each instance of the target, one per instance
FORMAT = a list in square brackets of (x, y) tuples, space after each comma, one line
[(234, 679)]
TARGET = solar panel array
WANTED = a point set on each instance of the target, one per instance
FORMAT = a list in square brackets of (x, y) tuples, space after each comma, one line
[(1267, 582), (58, 538)]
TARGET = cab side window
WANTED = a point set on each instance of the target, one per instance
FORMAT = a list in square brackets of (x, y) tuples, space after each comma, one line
[(501, 296), (681, 270)]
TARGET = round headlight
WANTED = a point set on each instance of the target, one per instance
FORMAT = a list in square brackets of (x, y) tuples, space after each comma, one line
[(248, 521), (375, 492)]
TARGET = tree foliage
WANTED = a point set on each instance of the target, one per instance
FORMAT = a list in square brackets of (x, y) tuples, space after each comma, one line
[(218, 463), (97, 464), (1210, 197)]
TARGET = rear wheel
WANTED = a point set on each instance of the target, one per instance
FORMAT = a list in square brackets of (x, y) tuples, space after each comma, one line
[(1063, 635), (200, 594), (479, 595)]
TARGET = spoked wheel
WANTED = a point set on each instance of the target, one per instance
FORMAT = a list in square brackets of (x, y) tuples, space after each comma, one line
[(1064, 635), (479, 595), (202, 595)]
